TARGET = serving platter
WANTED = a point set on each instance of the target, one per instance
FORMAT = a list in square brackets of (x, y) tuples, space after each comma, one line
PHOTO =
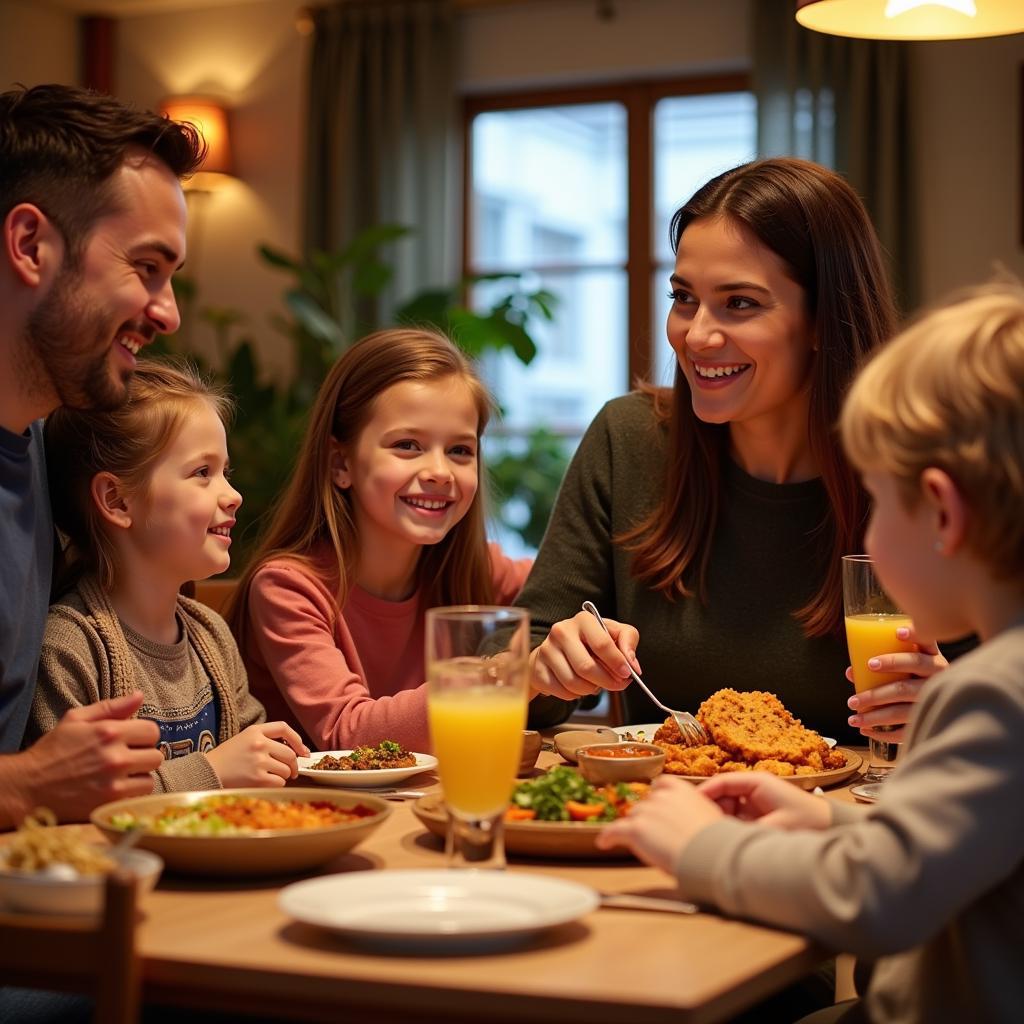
[(437, 908), (832, 777), (260, 852), (361, 778), (645, 733), (561, 839)]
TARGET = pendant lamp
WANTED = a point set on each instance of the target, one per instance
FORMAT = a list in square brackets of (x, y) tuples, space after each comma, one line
[(912, 19)]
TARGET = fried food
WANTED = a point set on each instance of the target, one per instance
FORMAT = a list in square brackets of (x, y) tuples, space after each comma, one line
[(750, 732)]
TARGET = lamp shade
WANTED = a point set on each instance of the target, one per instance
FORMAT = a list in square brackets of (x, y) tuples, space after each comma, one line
[(912, 19), (211, 118)]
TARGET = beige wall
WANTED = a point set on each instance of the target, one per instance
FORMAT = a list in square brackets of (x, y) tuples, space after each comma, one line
[(251, 56), (37, 44), (967, 139)]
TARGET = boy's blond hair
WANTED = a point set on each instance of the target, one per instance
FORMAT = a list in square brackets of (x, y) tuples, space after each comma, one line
[(948, 392)]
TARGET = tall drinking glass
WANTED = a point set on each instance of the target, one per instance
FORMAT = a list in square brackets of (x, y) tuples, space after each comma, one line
[(477, 671), (872, 619)]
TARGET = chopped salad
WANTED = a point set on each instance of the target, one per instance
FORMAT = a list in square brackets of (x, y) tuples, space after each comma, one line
[(564, 795)]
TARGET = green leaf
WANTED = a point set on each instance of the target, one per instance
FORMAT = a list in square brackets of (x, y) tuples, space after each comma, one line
[(276, 258), (313, 318)]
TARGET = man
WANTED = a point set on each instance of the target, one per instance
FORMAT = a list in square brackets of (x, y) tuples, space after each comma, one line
[(93, 227)]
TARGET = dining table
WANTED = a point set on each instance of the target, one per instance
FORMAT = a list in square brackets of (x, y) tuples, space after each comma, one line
[(226, 944)]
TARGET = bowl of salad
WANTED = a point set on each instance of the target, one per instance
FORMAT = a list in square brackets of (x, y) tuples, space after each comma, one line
[(558, 814), (246, 831)]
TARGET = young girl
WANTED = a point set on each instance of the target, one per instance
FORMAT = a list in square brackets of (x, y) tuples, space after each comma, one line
[(142, 494), (382, 519)]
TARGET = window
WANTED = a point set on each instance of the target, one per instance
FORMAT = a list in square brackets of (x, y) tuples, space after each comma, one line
[(575, 190)]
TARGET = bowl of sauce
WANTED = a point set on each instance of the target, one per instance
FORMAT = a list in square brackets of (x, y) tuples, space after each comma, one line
[(603, 763)]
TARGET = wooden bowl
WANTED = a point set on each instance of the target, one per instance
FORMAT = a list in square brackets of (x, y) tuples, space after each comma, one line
[(531, 748), (602, 764)]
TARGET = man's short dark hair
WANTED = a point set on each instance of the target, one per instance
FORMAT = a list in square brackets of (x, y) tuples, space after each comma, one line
[(60, 146)]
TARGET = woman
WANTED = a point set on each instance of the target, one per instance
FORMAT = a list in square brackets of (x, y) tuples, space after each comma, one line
[(712, 516)]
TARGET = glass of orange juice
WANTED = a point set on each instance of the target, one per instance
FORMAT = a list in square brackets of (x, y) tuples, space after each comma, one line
[(477, 672), (872, 619)]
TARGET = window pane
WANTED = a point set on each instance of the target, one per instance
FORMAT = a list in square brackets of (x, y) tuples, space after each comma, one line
[(663, 359), (695, 138), (582, 355), (549, 187)]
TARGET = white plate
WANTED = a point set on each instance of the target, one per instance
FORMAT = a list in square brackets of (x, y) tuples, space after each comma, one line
[(361, 778), (652, 727), (648, 730), (446, 907)]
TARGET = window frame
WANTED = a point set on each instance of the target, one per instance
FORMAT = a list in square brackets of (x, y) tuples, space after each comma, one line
[(638, 97)]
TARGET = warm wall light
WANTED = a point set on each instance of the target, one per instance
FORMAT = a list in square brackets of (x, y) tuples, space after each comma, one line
[(912, 19), (211, 118)]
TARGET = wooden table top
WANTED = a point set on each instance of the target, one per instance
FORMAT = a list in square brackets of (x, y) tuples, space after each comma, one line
[(228, 945)]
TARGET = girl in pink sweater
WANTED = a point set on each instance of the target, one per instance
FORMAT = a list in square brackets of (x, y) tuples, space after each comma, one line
[(382, 519)]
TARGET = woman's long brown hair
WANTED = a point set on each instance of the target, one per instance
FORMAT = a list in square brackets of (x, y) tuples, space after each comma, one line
[(817, 225), (313, 514)]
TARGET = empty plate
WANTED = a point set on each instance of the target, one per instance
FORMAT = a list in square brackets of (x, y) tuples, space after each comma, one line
[(446, 907)]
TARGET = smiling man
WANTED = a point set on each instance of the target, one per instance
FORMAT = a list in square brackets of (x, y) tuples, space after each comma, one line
[(93, 227)]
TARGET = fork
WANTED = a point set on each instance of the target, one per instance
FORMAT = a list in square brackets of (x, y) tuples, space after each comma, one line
[(692, 732)]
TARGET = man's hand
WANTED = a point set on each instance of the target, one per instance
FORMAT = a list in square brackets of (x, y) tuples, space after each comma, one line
[(94, 754)]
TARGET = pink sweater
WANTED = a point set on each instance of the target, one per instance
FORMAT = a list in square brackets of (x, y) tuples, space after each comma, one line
[(346, 676)]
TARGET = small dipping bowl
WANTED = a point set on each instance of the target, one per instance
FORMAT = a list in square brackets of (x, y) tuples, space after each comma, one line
[(604, 763), (531, 748)]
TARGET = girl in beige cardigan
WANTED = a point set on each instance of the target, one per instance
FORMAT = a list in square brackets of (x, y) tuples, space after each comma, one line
[(143, 496)]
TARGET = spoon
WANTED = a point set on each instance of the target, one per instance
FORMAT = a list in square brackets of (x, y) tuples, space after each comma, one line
[(690, 729)]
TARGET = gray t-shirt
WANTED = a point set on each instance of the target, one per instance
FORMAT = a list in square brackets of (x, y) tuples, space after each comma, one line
[(26, 564)]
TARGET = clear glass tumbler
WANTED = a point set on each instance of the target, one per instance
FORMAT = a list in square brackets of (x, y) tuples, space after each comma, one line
[(872, 619), (477, 672)]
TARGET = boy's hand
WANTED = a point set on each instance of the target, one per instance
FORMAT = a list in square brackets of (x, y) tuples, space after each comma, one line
[(659, 827), (578, 658), (262, 755), (891, 703), (94, 754), (768, 800)]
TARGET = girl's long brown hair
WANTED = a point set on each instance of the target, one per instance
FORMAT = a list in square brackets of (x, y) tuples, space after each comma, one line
[(314, 514), (816, 224)]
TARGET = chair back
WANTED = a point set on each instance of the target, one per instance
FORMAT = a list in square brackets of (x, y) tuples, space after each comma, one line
[(75, 954), (215, 593)]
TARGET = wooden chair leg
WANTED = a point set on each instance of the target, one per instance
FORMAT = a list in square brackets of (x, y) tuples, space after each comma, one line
[(117, 994)]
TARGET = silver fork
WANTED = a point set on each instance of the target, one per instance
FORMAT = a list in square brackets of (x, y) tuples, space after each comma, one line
[(693, 733)]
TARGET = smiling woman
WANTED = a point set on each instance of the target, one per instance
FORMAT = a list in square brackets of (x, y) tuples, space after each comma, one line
[(709, 518)]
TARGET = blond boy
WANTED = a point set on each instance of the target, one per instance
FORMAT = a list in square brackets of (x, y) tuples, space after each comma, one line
[(929, 882)]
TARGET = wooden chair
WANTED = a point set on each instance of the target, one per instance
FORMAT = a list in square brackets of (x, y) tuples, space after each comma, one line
[(215, 593), (68, 954)]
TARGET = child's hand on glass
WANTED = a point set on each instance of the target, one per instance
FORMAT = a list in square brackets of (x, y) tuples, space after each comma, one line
[(659, 827), (262, 755), (890, 703), (768, 800)]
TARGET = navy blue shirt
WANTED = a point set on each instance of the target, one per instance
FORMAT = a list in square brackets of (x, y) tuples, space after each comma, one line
[(26, 564)]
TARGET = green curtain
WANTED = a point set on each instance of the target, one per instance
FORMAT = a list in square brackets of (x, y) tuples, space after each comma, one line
[(382, 143), (844, 103)]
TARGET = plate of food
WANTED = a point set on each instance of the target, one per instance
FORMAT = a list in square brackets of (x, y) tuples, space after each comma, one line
[(558, 814), (754, 731), (474, 909), (46, 870), (386, 764), (245, 831)]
